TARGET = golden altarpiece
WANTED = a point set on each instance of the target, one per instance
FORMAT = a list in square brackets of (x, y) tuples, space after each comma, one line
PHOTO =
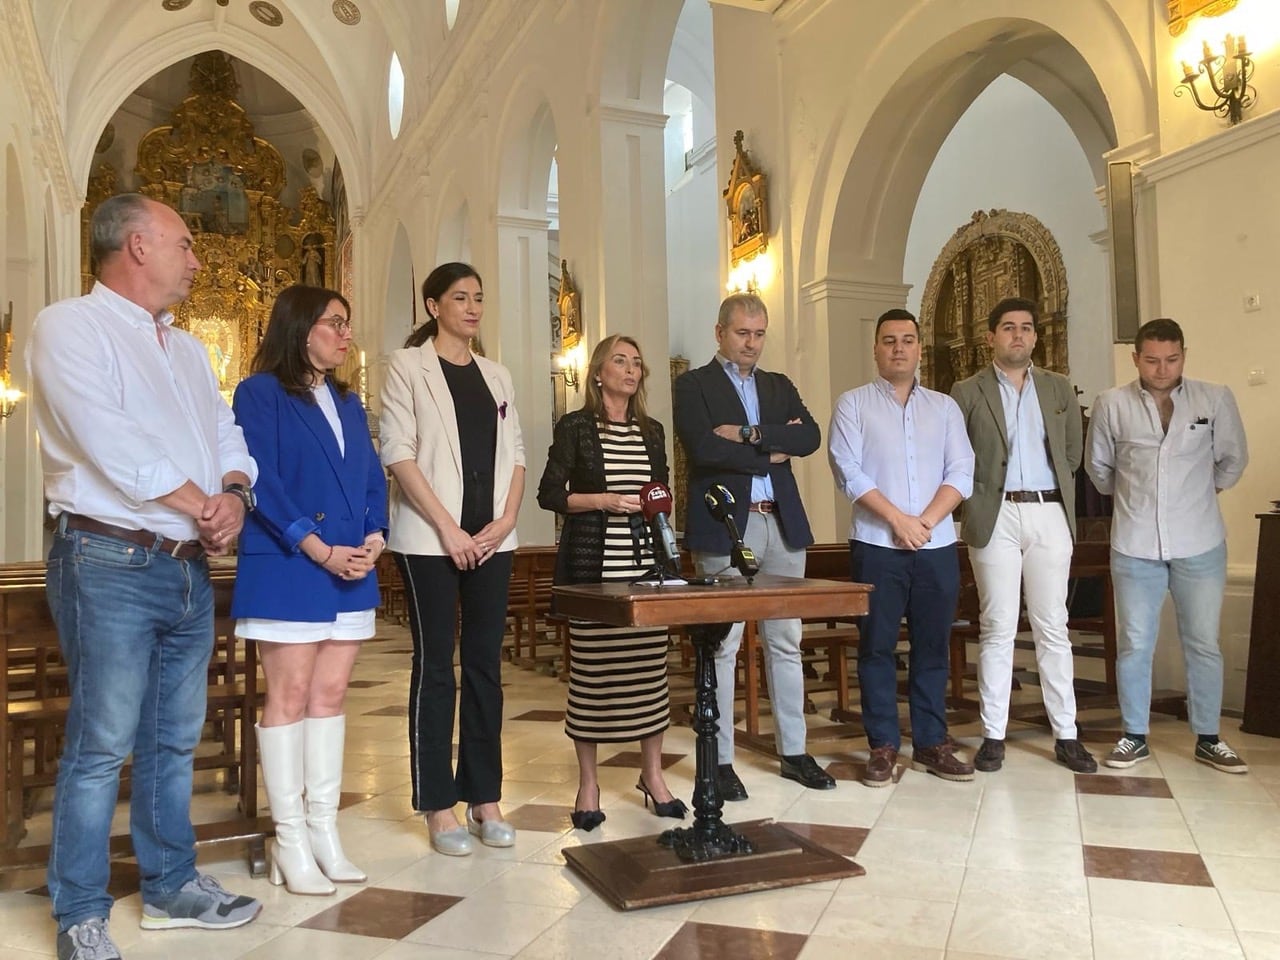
[(225, 182), (997, 254)]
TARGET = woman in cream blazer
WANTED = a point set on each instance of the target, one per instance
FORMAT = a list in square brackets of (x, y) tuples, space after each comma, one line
[(451, 439)]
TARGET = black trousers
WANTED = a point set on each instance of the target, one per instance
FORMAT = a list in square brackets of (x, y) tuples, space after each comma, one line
[(434, 586)]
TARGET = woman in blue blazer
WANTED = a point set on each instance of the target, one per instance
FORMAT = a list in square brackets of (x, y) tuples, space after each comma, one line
[(305, 588)]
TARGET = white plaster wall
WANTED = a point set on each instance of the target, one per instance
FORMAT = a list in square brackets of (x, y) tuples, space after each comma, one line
[(694, 233), (1218, 229), (1012, 150)]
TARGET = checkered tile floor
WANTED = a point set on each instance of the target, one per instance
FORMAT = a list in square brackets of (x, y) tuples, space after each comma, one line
[(1167, 859)]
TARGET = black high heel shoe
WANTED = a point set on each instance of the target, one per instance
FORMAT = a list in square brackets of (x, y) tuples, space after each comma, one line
[(587, 820), (674, 807)]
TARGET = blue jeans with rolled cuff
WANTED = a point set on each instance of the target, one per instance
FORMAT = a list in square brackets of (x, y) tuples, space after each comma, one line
[(136, 630)]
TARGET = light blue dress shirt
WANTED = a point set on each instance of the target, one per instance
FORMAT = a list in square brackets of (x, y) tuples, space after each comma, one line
[(1029, 466), (905, 452), (761, 487)]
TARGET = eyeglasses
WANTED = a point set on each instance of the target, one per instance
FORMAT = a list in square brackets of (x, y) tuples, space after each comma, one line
[(339, 324)]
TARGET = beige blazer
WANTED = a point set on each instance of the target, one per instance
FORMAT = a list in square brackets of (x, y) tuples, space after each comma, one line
[(419, 423), (979, 400)]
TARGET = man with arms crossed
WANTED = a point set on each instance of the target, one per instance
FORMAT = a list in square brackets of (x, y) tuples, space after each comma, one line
[(741, 426), (146, 472), (900, 452), (1164, 447), (1024, 424)]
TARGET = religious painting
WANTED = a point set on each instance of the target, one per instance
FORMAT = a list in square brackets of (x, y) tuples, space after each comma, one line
[(213, 199), (746, 199), (570, 326)]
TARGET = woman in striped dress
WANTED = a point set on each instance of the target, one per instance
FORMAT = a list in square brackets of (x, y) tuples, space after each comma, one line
[(599, 459)]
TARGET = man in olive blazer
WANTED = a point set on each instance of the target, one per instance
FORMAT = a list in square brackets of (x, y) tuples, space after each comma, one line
[(1024, 425)]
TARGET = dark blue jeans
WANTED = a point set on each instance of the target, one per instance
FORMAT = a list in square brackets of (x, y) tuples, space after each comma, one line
[(136, 630), (923, 586)]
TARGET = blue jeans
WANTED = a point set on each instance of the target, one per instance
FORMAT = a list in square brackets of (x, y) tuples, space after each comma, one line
[(136, 630), (923, 586), (1197, 584)]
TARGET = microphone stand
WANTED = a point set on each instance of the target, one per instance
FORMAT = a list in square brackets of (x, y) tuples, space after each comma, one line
[(659, 570)]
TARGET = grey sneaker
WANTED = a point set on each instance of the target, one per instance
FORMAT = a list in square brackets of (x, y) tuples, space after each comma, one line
[(1221, 757), (87, 940), (200, 903), (1127, 752)]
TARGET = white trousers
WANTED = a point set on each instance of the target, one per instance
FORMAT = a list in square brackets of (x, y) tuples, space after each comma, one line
[(1029, 550)]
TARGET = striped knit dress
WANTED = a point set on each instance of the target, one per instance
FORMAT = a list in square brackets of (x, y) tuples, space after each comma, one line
[(618, 675)]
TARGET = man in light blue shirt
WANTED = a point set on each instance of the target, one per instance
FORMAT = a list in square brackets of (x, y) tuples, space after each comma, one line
[(901, 454)]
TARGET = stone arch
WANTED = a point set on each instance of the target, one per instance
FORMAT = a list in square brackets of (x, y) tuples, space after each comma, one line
[(528, 133), (453, 235), (633, 45), (15, 450), (401, 310), (997, 254), (874, 162), (103, 94)]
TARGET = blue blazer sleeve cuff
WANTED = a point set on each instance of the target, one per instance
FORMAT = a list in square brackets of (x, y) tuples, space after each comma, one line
[(297, 531)]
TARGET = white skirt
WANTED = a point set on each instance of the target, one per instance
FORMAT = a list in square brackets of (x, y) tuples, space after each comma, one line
[(356, 625)]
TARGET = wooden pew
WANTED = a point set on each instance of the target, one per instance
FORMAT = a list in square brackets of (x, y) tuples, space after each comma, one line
[(35, 711)]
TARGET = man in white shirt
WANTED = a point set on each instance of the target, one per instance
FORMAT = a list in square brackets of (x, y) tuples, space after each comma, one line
[(146, 472), (900, 453), (1164, 447)]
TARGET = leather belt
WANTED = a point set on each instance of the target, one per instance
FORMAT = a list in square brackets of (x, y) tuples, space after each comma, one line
[(763, 506), (178, 549), (1033, 496)]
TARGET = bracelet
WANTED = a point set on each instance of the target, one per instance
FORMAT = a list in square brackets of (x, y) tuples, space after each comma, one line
[(329, 557)]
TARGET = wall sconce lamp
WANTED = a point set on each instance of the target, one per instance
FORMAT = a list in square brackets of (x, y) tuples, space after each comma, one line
[(1228, 76), (752, 275), (9, 396), (569, 363)]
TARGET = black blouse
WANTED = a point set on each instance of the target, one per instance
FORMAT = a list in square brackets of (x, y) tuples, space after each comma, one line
[(477, 416)]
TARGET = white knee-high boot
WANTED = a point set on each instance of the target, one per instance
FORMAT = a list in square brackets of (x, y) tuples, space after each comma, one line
[(322, 769), (292, 863)]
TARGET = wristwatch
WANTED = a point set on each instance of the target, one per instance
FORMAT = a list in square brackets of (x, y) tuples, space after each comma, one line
[(244, 493), (747, 433)]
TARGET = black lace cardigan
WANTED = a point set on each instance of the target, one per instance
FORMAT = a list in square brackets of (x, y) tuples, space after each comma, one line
[(575, 464)]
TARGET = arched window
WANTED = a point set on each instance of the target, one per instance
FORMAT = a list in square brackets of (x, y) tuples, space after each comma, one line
[(395, 95)]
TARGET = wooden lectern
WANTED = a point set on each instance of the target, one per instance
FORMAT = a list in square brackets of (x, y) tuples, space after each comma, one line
[(709, 859)]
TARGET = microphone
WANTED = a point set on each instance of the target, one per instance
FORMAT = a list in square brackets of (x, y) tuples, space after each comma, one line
[(720, 503), (655, 504)]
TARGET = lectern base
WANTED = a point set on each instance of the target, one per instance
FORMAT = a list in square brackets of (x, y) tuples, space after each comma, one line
[(644, 873)]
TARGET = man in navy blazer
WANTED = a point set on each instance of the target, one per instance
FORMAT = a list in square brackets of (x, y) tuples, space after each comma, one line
[(740, 427)]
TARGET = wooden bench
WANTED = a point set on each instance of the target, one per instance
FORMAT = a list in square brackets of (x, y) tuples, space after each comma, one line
[(33, 691)]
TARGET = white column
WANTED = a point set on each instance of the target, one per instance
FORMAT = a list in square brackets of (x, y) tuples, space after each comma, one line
[(520, 339), (631, 251), (839, 320)]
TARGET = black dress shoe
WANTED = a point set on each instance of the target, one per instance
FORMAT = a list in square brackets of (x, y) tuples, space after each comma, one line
[(728, 785), (1073, 755), (805, 770), (990, 756)]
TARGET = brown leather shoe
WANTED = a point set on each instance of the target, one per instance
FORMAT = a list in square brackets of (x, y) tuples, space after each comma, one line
[(880, 767), (941, 761)]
